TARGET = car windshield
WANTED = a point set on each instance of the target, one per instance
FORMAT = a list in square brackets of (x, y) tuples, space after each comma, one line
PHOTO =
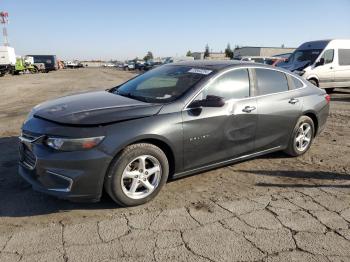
[(163, 84), (305, 55)]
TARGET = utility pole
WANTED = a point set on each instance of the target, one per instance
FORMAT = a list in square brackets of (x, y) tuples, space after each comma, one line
[(4, 21)]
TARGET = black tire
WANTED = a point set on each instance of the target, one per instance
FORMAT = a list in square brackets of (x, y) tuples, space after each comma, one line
[(292, 149), (329, 90), (112, 183), (34, 70)]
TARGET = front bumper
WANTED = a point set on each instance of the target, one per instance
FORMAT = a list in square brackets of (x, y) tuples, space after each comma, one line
[(77, 175)]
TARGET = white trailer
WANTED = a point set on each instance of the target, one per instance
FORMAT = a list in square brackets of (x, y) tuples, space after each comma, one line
[(7, 59)]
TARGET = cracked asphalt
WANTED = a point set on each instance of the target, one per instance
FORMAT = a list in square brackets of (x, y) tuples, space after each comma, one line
[(272, 208)]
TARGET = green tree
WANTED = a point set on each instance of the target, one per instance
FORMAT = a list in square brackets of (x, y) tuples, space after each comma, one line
[(206, 52), (189, 53), (149, 56), (229, 51)]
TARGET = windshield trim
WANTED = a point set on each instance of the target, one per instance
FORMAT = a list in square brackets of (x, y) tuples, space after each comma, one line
[(153, 100)]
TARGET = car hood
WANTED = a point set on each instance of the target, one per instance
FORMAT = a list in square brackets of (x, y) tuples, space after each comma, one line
[(94, 108)]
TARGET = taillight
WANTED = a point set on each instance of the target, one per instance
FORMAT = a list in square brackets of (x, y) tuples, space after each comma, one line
[(328, 98)]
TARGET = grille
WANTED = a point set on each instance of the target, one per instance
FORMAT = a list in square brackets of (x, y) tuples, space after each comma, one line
[(27, 157)]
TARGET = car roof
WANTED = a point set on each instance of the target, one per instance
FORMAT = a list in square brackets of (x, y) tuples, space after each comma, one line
[(221, 65), (258, 56), (209, 64), (218, 65)]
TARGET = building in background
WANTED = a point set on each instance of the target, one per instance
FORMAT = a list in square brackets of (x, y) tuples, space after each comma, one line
[(212, 56), (260, 51)]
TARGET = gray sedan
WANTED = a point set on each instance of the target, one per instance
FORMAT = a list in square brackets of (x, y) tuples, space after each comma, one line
[(172, 121)]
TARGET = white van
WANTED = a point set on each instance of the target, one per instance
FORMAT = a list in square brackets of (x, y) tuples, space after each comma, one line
[(7, 59), (325, 63)]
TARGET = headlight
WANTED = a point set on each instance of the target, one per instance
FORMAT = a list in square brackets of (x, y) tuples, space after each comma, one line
[(73, 144)]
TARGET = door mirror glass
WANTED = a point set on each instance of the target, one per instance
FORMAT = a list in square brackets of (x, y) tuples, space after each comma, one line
[(320, 62), (209, 101)]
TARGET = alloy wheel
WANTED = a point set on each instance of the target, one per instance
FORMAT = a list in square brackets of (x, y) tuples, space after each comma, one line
[(303, 137), (141, 177)]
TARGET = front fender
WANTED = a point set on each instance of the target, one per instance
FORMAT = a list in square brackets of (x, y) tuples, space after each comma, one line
[(165, 128)]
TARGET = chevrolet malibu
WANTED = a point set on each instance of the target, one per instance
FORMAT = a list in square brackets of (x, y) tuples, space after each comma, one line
[(175, 120)]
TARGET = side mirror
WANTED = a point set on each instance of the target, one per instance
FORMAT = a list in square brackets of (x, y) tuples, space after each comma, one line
[(319, 63), (209, 101)]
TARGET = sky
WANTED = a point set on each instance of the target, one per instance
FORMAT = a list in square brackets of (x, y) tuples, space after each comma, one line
[(124, 29)]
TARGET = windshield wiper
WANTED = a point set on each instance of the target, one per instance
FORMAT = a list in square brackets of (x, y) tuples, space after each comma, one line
[(133, 96)]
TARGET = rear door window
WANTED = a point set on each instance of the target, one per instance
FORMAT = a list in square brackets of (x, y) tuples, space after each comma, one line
[(344, 56), (270, 81)]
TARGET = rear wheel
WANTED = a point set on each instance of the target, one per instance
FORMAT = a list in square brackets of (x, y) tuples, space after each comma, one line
[(137, 174), (302, 137)]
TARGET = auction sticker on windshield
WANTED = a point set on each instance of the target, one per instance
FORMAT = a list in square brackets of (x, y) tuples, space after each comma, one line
[(200, 71)]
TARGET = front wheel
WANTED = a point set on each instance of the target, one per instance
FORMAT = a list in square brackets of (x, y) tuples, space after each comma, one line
[(137, 174), (302, 137), (34, 70)]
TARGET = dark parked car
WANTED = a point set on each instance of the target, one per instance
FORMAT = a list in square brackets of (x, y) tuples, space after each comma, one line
[(50, 61), (172, 121), (150, 65)]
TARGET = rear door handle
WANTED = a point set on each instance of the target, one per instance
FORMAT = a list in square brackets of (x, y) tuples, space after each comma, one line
[(293, 101), (248, 109)]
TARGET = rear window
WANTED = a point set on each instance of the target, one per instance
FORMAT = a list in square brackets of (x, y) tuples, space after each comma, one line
[(297, 83), (344, 56), (270, 81)]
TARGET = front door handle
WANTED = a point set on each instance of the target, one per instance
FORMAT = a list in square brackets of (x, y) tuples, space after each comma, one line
[(293, 101), (248, 109)]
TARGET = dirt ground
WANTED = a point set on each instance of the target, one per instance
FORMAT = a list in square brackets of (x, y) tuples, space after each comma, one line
[(272, 208)]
